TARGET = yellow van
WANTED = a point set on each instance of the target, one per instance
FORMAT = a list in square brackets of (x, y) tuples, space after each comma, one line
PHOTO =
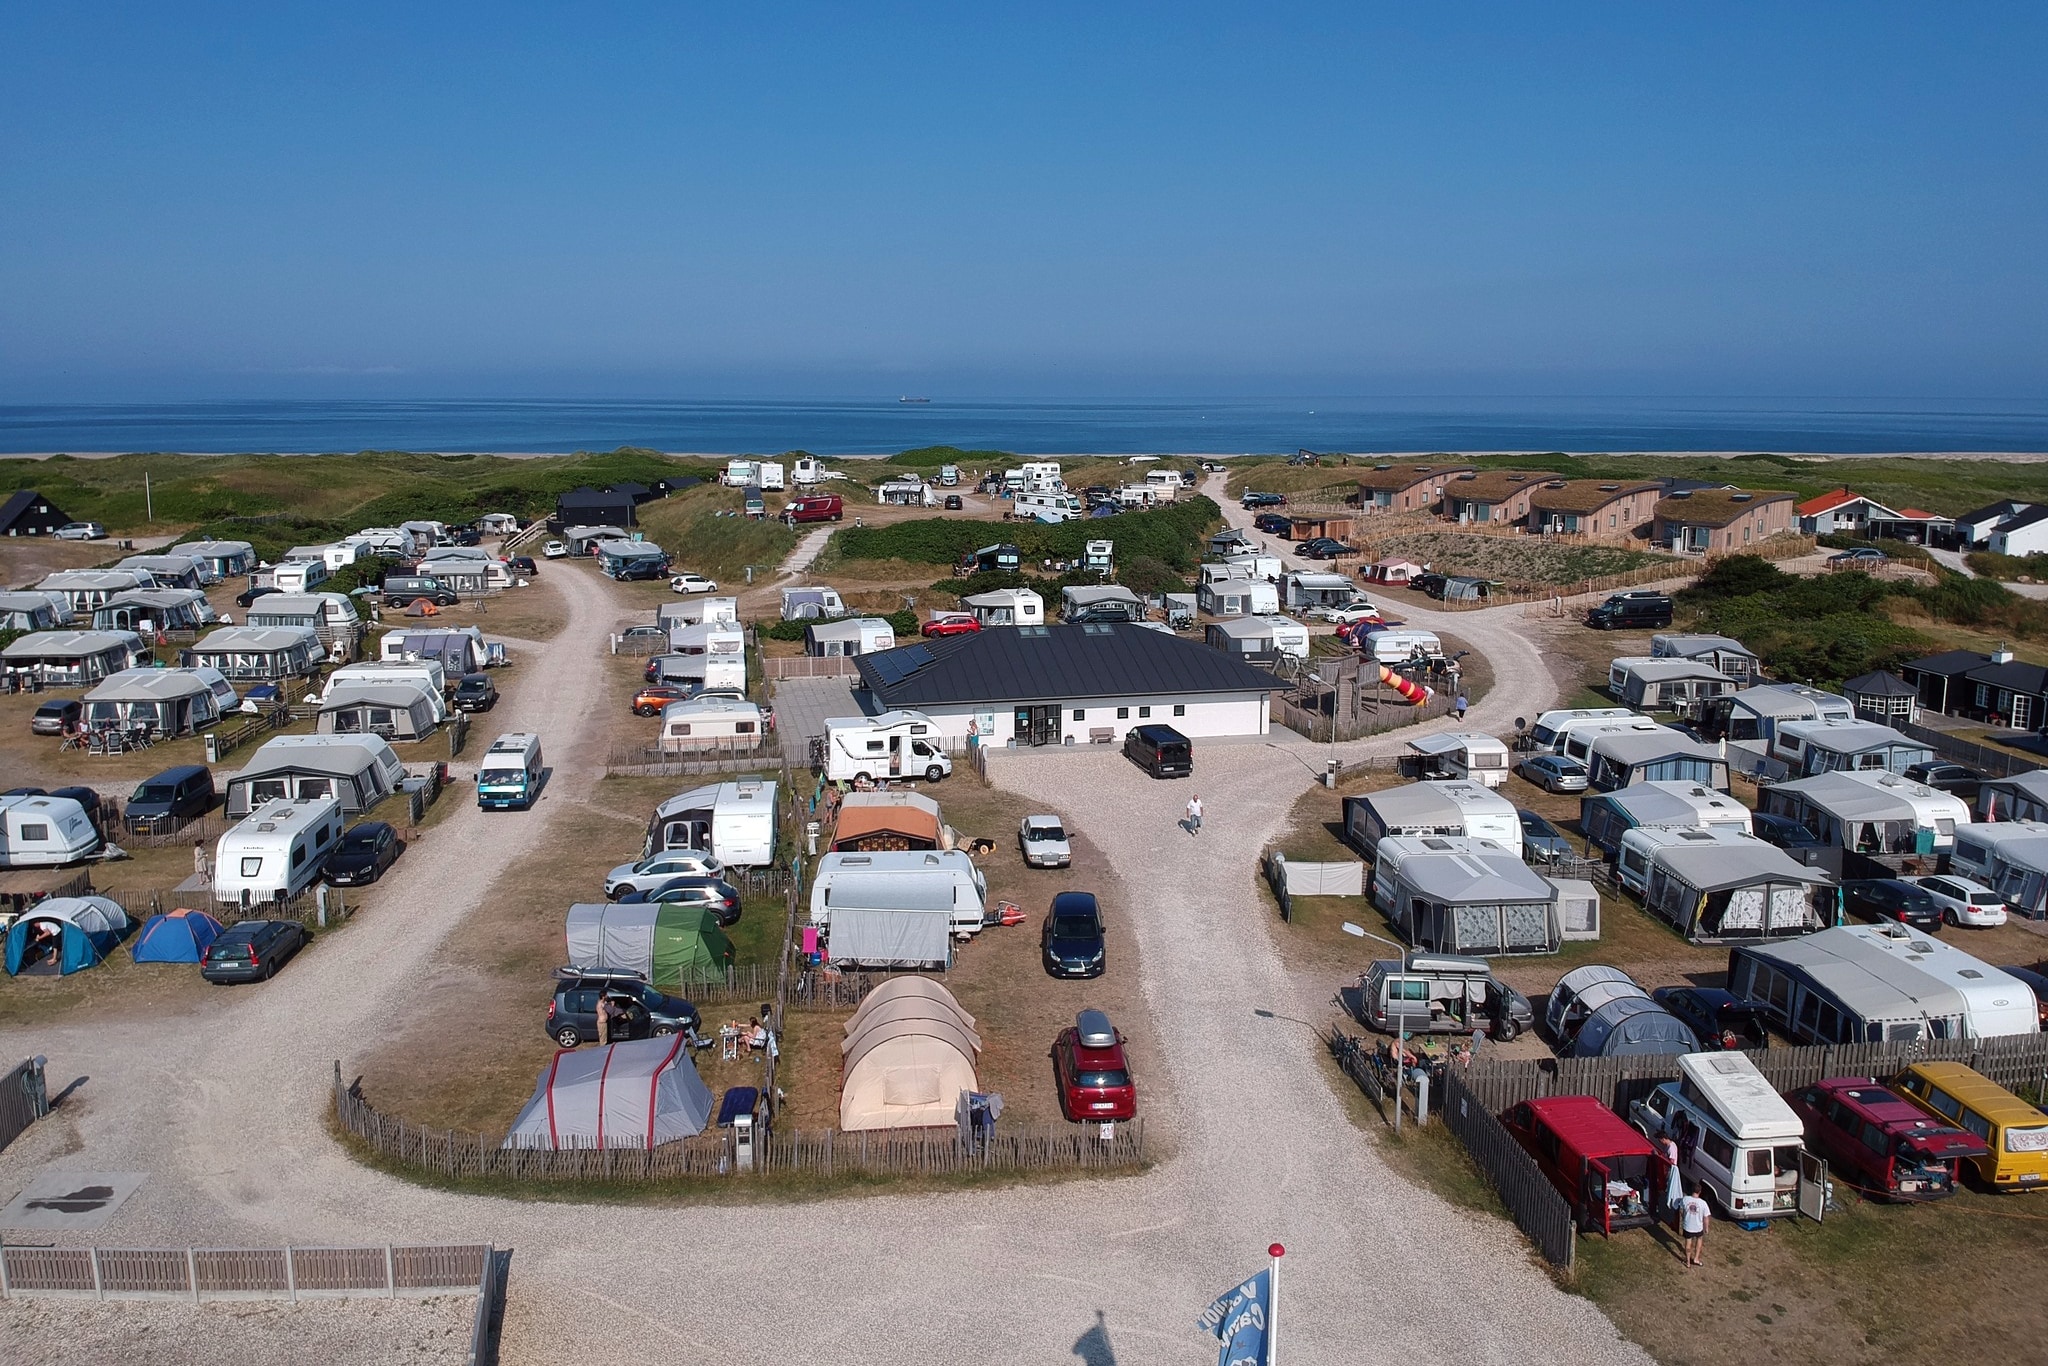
[(2016, 1132)]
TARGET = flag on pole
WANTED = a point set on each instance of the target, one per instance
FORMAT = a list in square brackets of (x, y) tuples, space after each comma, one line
[(1242, 1320)]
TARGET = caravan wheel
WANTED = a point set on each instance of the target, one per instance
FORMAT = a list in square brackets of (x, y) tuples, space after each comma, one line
[(860, 778), (934, 773)]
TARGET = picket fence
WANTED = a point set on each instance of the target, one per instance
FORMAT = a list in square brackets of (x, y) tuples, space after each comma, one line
[(1535, 1204), (239, 1273)]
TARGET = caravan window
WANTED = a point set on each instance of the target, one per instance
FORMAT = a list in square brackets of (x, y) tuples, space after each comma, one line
[(267, 789), (1719, 1149), (252, 866), (35, 832), (743, 728), (679, 728), (299, 856)]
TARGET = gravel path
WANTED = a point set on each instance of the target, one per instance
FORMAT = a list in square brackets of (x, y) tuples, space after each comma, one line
[(224, 1109)]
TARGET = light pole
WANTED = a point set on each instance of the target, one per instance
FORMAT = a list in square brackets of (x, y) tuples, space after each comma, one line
[(1400, 1034)]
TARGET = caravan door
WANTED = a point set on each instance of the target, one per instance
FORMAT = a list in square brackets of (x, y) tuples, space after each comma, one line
[(1813, 1187)]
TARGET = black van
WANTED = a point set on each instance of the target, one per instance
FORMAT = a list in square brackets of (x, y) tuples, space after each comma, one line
[(169, 799), (1161, 751), (401, 589), (1650, 611)]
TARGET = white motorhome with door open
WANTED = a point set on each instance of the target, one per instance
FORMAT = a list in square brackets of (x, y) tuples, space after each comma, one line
[(895, 744), (1736, 1136), (276, 852)]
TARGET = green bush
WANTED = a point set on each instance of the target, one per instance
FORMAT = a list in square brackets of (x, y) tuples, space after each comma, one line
[(1174, 535)]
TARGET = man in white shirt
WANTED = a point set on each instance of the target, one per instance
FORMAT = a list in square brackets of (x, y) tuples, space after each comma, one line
[(1194, 821), (1693, 1214)]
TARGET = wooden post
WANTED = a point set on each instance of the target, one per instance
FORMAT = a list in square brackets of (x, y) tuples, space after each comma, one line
[(98, 1289), (192, 1272)]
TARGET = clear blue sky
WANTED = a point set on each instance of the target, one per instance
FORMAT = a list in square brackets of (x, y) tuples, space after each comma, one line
[(679, 200)]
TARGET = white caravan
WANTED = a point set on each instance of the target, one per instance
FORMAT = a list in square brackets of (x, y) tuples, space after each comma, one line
[(276, 852), (901, 880)]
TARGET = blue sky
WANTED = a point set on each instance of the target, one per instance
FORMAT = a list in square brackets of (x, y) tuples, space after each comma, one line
[(675, 200)]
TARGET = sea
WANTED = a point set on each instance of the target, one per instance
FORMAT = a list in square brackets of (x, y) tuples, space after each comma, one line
[(883, 425)]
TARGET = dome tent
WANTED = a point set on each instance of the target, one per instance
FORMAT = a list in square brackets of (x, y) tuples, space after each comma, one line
[(180, 936), (624, 1095), (84, 929)]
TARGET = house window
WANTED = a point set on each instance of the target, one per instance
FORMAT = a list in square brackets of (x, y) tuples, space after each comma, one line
[(1123, 713), (1144, 712), (1180, 709), (1610, 521), (1984, 695), (1745, 535), (1080, 713)]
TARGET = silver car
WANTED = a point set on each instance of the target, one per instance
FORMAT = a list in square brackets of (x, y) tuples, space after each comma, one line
[(659, 868), (1044, 842)]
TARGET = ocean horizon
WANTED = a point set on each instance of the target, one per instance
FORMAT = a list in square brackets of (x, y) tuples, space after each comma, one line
[(880, 426)]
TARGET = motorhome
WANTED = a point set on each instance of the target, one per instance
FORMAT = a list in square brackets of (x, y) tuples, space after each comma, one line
[(277, 852), (1440, 993), (45, 832), (1736, 1135), (808, 470), (299, 576), (916, 878), (1462, 755), (1041, 476), (1719, 886), (1099, 556), (2011, 858), (1432, 808), (895, 744), (739, 473), (1138, 495), (733, 820), (1049, 507), (1453, 894), (771, 476), (1552, 728), (949, 476), (510, 774), (711, 723), (1880, 983)]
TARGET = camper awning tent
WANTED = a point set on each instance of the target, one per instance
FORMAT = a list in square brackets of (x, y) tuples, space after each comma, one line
[(883, 922), (396, 708), (1719, 890), (1468, 896), (1605, 816), (873, 822), (1872, 812), (179, 936), (1632, 1026), (85, 930), (670, 945), (625, 1095), (359, 770), (168, 701), (267, 652), (905, 1067)]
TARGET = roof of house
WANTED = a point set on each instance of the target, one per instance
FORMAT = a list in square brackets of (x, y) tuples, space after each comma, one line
[(19, 502), (1398, 477), (1587, 495), (1097, 659), (2031, 517), (1716, 507), (2013, 676), (2003, 508), (1880, 684), (1842, 497), (589, 497), (1950, 662), (1494, 486)]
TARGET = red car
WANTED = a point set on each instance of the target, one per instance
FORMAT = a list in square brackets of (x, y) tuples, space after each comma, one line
[(950, 626), (1095, 1078)]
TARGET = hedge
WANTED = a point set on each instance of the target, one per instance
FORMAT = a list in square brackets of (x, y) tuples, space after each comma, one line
[(1174, 535)]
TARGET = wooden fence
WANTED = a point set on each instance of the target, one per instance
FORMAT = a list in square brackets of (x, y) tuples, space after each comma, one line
[(724, 756), (1538, 1209), (456, 1154), (24, 1099), (1987, 759), (314, 908), (216, 1273), (775, 668), (227, 739)]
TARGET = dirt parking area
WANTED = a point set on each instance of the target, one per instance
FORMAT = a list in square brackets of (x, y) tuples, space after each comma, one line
[(432, 1331)]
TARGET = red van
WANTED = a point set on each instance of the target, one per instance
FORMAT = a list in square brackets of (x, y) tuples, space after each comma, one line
[(1609, 1173), (814, 507), (1880, 1142)]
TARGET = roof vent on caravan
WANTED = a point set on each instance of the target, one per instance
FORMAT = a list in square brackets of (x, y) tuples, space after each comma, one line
[(1439, 845)]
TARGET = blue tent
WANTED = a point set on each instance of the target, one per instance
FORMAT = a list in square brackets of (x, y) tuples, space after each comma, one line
[(179, 936), (85, 929)]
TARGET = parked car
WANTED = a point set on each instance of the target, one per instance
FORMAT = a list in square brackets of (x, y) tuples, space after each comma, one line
[(554, 550), (1860, 557), (1044, 842), (1542, 842), (713, 893), (630, 878), (162, 803), (1784, 832), (572, 1013), (363, 854), (1881, 1143), (1351, 613), (641, 572), (692, 583), (1264, 500), (654, 633), (1626, 611), (651, 699), (1554, 773), (1891, 898), (248, 596), (950, 626), (954, 503), (1951, 778), (476, 692), (54, 718), (1160, 750), (1273, 524), (252, 950), (1717, 1018), (1963, 902), (81, 531), (1323, 548), (1094, 1075), (1072, 942), (523, 564)]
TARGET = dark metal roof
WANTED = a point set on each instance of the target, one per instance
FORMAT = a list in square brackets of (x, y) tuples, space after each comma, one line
[(1880, 684), (2028, 518), (1950, 663), (20, 501), (2013, 677), (1047, 663)]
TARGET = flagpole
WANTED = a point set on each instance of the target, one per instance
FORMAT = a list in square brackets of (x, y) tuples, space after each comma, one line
[(1273, 1308)]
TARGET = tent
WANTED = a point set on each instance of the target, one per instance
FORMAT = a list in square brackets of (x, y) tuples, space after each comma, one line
[(668, 944), (86, 928), (179, 936), (909, 1053), (624, 1095), (870, 822), (1631, 1026)]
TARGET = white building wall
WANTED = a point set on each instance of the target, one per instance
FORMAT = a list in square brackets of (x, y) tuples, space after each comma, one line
[(2027, 540), (1210, 716)]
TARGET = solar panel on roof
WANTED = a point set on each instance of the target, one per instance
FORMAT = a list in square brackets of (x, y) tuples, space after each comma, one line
[(893, 666)]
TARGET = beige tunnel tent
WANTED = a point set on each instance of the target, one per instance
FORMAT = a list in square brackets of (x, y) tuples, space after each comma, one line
[(909, 1053)]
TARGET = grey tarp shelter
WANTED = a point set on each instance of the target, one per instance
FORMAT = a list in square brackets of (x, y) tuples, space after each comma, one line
[(639, 1094), (1631, 1027)]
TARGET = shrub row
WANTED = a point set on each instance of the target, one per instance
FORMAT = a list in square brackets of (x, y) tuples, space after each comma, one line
[(1173, 535)]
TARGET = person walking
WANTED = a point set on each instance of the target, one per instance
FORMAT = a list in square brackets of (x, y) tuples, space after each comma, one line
[(1693, 1214), (1194, 818), (1460, 705), (1674, 1184)]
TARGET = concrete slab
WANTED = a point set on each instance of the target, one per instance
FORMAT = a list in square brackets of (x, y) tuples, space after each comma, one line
[(62, 1201), (802, 706)]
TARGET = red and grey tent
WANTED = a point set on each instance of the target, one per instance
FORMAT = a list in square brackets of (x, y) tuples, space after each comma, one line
[(624, 1095)]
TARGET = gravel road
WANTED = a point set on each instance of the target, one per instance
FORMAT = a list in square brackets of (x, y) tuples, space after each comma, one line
[(224, 1109)]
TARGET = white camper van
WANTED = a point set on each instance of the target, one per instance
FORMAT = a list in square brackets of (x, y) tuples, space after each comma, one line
[(299, 576), (915, 878), (735, 821), (1551, 728), (509, 775), (1049, 507), (896, 744), (276, 852), (1747, 1146), (44, 832)]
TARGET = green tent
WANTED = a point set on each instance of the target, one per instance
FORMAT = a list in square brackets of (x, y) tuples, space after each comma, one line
[(668, 943)]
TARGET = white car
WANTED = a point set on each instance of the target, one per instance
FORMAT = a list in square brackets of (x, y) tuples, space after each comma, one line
[(692, 583), (1044, 841), (554, 550), (1357, 610), (1963, 902), (81, 531), (659, 868)]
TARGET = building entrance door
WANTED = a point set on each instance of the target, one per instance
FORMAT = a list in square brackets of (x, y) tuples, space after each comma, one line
[(1037, 725)]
